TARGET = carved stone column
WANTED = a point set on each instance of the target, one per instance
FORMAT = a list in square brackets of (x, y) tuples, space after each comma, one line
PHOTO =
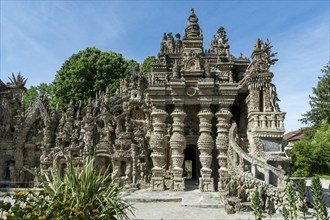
[(178, 144), (158, 145), (88, 136), (222, 141), (205, 146)]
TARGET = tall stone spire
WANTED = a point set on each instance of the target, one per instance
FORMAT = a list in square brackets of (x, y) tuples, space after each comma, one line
[(193, 30), (193, 37)]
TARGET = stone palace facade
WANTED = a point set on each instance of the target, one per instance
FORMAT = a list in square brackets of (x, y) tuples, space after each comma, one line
[(202, 118)]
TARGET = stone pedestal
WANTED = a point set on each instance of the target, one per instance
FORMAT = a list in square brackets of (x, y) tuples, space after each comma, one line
[(205, 145), (158, 143), (178, 144)]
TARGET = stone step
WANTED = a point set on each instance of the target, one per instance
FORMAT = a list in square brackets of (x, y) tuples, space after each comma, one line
[(202, 199), (193, 198)]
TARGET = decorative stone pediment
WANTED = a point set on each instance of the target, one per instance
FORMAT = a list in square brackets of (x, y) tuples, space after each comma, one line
[(193, 65)]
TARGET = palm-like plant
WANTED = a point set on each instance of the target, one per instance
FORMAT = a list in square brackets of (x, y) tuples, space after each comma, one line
[(84, 193), (18, 80), (81, 194)]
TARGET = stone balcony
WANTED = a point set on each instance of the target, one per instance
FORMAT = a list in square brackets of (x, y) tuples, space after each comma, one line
[(271, 122)]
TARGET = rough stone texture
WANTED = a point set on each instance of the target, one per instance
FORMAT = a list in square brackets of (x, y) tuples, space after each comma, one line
[(206, 108)]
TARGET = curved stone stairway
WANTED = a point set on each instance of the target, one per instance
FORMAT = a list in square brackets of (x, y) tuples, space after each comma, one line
[(245, 171)]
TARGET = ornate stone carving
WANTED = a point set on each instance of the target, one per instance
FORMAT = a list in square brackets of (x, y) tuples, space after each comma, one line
[(222, 141), (132, 133), (157, 143), (178, 144), (205, 146)]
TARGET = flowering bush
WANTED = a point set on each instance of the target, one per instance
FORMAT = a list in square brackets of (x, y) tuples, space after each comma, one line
[(82, 194)]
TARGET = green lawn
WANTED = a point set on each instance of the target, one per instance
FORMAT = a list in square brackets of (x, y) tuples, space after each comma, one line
[(324, 176)]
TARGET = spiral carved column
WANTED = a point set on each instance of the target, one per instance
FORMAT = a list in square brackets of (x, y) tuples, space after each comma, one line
[(158, 143), (222, 141), (205, 146), (178, 144)]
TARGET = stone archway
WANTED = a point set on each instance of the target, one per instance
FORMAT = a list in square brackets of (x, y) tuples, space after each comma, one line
[(38, 110)]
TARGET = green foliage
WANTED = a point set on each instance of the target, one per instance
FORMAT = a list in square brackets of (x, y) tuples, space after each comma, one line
[(300, 158), (324, 213), (319, 206), (81, 194), (291, 199), (285, 213), (34, 92), (86, 73), (319, 102), (321, 149), (302, 197), (256, 205), (312, 156), (145, 66)]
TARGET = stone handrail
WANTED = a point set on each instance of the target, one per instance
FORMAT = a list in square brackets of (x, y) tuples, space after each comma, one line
[(241, 154)]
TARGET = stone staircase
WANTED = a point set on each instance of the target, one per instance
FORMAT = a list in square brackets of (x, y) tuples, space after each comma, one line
[(249, 173)]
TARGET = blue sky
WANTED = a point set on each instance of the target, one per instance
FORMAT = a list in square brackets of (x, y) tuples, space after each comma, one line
[(38, 36)]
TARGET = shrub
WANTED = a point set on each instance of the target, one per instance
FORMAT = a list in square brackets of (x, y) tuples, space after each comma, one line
[(81, 194)]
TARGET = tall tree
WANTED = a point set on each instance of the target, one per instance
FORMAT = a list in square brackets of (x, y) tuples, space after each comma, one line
[(86, 73), (320, 101), (33, 92), (145, 66), (321, 149)]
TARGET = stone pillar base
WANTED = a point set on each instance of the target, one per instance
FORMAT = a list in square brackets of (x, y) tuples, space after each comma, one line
[(224, 178), (178, 184), (177, 180), (157, 183), (206, 184), (157, 179)]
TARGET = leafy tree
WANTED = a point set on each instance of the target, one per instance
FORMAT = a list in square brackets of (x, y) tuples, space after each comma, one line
[(33, 92), (319, 102), (300, 162), (321, 149), (312, 156), (145, 66), (86, 73)]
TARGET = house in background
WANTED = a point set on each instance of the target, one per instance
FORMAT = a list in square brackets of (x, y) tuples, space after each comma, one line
[(292, 137)]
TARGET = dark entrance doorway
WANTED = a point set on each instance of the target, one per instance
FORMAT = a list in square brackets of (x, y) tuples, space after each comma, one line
[(191, 167)]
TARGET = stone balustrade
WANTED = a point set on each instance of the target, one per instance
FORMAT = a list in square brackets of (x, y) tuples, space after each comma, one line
[(243, 162), (266, 120)]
